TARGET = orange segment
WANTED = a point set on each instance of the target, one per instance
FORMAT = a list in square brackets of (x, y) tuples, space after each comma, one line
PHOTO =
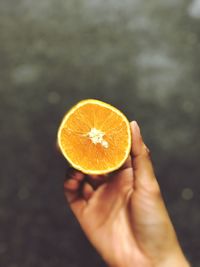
[(95, 137)]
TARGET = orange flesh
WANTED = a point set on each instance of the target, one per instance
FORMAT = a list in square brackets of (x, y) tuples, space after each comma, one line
[(79, 147)]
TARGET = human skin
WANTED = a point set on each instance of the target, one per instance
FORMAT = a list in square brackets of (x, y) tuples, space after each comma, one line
[(124, 215)]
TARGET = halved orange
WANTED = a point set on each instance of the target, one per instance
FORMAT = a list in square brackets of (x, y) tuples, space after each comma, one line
[(94, 137)]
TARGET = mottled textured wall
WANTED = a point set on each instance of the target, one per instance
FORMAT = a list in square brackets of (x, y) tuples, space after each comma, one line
[(141, 56)]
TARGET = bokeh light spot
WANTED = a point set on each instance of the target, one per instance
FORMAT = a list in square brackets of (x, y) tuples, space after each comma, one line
[(187, 193)]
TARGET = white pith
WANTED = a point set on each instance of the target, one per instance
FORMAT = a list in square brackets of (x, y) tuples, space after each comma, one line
[(96, 136)]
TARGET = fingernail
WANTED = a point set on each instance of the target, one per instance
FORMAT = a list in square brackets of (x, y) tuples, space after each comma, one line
[(136, 128)]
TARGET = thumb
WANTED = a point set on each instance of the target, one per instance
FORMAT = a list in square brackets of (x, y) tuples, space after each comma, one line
[(143, 169)]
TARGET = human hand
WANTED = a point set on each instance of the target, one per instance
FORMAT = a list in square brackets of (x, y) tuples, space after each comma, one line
[(123, 214)]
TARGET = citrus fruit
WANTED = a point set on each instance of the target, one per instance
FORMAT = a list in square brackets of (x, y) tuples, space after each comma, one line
[(94, 137)]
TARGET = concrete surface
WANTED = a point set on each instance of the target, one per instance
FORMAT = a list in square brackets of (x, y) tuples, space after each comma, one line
[(141, 56)]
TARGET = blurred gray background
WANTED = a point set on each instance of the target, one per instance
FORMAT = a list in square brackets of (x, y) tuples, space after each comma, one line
[(141, 56)]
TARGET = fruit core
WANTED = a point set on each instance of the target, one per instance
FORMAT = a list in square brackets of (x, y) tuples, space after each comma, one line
[(97, 137)]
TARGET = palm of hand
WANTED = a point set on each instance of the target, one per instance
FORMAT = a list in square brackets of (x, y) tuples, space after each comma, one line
[(106, 218)]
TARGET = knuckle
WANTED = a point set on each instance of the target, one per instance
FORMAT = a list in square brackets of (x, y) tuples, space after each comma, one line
[(146, 152), (154, 189)]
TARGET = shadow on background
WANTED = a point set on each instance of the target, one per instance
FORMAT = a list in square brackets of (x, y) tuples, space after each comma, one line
[(141, 56)]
